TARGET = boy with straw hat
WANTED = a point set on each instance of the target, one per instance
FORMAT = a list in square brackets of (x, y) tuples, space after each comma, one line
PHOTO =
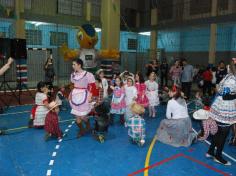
[(52, 122), (136, 125)]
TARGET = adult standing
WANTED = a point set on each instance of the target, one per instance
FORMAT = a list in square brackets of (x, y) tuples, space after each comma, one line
[(221, 72), (81, 95), (152, 67), (187, 78), (49, 73), (223, 111), (164, 72)]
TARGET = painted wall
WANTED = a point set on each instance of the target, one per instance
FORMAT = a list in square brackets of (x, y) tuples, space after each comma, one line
[(195, 39)]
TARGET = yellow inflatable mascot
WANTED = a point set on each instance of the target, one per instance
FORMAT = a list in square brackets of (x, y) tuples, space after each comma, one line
[(87, 38)]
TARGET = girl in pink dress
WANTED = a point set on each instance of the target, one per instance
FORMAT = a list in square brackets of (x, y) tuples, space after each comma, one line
[(81, 95), (141, 89)]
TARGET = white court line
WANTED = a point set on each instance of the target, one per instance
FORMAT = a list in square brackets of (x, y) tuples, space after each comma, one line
[(12, 113), (59, 140), (225, 154), (54, 154), (51, 162), (49, 172), (69, 126), (57, 147), (66, 130)]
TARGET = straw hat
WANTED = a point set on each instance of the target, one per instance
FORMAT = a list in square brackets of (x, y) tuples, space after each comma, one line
[(137, 109), (52, 105), (99, 71), (201, 114)]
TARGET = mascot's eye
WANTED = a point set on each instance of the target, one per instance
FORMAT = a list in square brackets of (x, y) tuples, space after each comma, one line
[(80, 35)]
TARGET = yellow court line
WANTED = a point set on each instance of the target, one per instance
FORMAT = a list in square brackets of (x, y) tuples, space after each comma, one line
[(149, 155), (25, 127)]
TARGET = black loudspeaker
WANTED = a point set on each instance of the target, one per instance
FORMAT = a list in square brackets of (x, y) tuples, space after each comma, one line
[(18, 49), (5, 48)]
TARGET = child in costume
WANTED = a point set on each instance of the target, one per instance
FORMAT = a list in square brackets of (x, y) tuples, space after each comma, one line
[(209, 126), (130, 97), (100, 74), (52, 122), (61, 99), (40, 108), (136, 125), (152, 94), (141, 89), (118, 101)]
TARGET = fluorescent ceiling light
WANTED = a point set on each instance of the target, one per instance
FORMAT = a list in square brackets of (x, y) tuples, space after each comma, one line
[(98, 29), (145, 33), (37, 23)]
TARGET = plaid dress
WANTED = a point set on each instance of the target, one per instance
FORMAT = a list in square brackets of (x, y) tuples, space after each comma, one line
[(136, 128)]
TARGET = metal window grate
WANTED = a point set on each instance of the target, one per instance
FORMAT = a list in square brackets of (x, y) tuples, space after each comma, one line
[(70, 7), (96, 8), (27, 4), (7, 3), (33, 37), (132, 44), (58, 38)]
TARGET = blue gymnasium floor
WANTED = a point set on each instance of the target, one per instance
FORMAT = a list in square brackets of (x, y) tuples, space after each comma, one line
[(24, 152)]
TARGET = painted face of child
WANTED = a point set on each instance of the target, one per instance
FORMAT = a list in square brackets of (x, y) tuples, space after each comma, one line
[(117, 81), (129, 82)]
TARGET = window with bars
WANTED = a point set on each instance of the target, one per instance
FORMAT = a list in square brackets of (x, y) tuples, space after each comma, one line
[(27, 4), (132, 44), (33, 37), (70, 7), (96, 8), (7, 3), (58, 38), (200, 7)]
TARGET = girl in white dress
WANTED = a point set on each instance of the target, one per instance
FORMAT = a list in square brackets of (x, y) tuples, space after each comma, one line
[(100, 74), (152, 94), (130, 97)]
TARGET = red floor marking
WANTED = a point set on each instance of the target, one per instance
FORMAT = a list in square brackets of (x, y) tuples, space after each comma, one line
[(156, 164), (178, 156), (205, 165)]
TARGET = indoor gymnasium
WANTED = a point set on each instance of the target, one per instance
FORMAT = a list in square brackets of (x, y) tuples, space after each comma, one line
[(117, 87)]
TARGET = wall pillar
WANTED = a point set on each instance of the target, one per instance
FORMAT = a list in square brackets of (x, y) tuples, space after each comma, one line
[(110, 18), (19, 23), (153, 37), (213, 35)]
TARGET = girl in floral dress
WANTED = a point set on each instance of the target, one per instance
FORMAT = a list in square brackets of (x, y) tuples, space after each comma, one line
[(118, 100), (152, 94), (141, 89)]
